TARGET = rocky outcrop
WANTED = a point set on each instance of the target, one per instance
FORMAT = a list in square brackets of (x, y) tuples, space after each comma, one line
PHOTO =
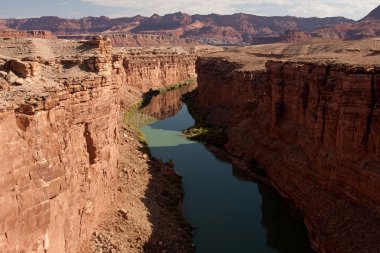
[(59, 138), (27, 34), (314, 128)]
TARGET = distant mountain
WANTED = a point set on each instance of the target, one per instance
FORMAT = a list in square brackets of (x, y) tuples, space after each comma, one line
[(60, 26), (367, 27), (179, 28), (373, 15), (237, 28)]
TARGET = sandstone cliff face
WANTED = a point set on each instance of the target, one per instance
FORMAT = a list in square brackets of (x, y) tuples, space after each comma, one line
[(59, 160), (59, 141), (168, 67), (314, 128)]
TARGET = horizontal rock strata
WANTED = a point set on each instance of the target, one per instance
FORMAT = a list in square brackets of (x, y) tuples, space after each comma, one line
[(59, 121), (27, 34), (314, 127)]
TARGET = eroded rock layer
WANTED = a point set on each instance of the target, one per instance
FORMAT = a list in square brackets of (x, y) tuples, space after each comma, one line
[(137, 40), (312, 124), (59, 121), (27, 34), (170, 66), (59, 159)]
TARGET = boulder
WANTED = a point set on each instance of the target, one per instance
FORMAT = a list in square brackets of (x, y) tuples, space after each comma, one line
[(13, 79), (22, 69)]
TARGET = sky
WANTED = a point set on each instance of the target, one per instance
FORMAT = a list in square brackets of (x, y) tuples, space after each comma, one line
[(354, 9)]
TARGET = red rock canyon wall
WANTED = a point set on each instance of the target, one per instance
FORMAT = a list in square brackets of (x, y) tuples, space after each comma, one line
[(315, 129), (58, 150), (59, 158), (168, 67)]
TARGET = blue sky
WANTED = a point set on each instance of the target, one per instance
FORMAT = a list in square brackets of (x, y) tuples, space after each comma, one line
[(117, 8)]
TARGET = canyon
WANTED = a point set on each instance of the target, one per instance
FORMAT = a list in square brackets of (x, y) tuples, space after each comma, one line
[(63, 144), (301, 117), (181, 28), (306, 117)]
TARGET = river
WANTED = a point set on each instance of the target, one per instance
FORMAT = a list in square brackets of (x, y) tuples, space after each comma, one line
[(230, 214)]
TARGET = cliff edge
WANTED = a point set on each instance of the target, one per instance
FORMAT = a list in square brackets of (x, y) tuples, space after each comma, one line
[(306, 117), (66, 157)]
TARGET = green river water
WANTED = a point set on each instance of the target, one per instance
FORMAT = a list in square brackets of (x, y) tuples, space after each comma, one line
[(230, 214)]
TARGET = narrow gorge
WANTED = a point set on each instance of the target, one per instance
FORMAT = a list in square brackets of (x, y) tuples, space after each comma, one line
[(303, 118), (62, 135), (306, 117)]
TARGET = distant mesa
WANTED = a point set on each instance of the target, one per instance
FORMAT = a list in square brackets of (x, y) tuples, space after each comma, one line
[(181, 28), (43, 34)]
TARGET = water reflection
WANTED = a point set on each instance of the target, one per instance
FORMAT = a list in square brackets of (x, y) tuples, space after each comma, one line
[(230, 211), (167, 104), (161, 106), (284, 233)]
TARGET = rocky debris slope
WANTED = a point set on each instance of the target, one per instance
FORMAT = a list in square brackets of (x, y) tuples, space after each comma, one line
[(152, 223), (307, 117), (60, 116)]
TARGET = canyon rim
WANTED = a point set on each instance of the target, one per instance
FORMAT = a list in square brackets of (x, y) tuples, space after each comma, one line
[(291, 103)]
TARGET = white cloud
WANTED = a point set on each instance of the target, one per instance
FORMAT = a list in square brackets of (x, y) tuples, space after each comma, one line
[(323, 8), (65, 3), (306, 8)]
